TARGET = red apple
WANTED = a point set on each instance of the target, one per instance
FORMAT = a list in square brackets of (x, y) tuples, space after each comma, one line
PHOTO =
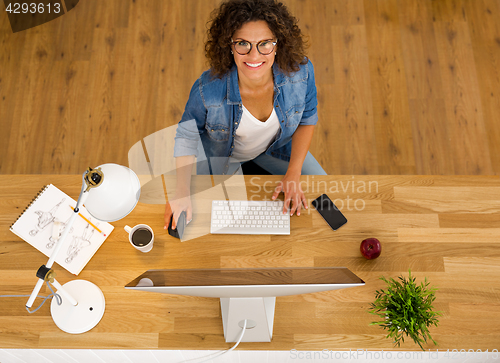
[(370, 248)]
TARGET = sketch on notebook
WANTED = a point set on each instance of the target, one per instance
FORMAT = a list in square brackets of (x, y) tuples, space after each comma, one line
[(78, 243), (45, 218)]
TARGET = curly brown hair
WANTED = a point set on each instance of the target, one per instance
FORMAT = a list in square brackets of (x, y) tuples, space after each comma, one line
[(230, 17)]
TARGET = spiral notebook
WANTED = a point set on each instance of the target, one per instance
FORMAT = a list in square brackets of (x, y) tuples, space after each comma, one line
[(43, 221)]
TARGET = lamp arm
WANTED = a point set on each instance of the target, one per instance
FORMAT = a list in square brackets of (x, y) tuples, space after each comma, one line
[(64, 293), (81, 199), (35, 292)]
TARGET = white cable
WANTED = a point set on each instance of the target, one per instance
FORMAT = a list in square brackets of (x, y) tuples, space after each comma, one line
[(218, 354)]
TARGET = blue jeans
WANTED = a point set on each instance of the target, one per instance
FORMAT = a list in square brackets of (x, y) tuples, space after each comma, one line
[(272, 165), (277, 166)]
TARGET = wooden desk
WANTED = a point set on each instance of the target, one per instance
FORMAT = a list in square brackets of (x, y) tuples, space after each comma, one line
[(445, 228)]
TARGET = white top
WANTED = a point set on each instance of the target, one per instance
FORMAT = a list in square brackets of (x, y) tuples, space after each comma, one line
[(253, 136)]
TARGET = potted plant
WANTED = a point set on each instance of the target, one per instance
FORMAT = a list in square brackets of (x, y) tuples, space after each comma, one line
[(406, 309)]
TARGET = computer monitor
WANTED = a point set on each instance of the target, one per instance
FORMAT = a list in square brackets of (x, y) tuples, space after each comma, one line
[(246, 293)]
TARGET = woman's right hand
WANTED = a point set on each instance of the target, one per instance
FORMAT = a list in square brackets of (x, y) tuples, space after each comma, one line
[(175, 208)]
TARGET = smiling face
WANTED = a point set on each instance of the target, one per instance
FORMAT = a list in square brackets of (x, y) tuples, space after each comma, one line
[(254, 66)]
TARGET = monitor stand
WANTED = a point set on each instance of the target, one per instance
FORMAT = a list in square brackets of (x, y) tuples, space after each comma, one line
[(259, 313)]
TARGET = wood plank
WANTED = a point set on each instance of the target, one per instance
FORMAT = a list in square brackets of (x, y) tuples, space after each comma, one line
[(469, 219), (389, 89), (355, 148), (349, 250), (19, 341), (448, 10), (450, 235), (477, 292), (372, 222), (215, 341), (198, 326), (473, 342), (253, 262), (31, 114), (316, 23), (59, 339), (483, 310), (419, 49), (485, 39), (10, 100), (449, 193), (415, 263), (488, 266), (465, 121), (432, 206), (432, 148), (375, 339), (431, 138)]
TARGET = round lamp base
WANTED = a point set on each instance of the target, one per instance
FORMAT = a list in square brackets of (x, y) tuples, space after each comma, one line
[(83, 317)]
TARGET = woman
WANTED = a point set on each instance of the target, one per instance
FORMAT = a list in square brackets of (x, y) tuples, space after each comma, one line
[(257, 102)]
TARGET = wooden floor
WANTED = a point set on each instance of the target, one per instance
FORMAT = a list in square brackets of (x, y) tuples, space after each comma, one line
[(405, 87)]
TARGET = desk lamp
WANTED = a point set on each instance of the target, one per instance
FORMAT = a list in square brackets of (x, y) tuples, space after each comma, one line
[(110, 192)]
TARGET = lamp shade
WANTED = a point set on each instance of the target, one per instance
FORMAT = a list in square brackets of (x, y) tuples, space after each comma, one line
[(116, 196)]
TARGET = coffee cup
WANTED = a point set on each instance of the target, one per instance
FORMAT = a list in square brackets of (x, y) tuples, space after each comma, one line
[(141, 237)]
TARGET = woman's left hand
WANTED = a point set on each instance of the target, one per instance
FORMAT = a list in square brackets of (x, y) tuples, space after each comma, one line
[(294, 196)]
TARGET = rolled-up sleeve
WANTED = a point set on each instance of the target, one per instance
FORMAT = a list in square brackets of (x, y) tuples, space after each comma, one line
[(310, 115), (191, 125)]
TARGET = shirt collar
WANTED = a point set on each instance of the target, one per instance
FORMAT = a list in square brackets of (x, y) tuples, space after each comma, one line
[(233, 90)]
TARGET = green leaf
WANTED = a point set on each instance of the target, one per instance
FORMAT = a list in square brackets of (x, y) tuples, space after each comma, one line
[(405, 308)]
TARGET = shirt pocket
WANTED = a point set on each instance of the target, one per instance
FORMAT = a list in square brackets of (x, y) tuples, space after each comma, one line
[(294, 115), (217, 123), (217, 132)]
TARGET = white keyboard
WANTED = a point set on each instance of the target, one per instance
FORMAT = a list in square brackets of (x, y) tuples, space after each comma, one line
[(249, 217)]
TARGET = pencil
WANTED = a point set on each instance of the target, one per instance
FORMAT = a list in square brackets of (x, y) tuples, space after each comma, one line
[(89, 222)]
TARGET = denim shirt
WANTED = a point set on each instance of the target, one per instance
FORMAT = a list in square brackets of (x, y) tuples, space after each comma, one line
[(214, 109)]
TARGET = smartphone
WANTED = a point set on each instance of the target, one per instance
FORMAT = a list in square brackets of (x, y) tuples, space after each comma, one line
[(329, 212)]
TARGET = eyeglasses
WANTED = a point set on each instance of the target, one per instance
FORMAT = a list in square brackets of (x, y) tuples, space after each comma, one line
[(264, 47)]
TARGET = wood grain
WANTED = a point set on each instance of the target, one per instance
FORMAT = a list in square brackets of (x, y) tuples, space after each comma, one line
[(454, 243), (404, 87), (461, 95), (485, 40), (389, 90)]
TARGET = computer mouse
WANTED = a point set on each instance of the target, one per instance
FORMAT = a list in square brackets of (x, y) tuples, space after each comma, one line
[(181, 226)]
